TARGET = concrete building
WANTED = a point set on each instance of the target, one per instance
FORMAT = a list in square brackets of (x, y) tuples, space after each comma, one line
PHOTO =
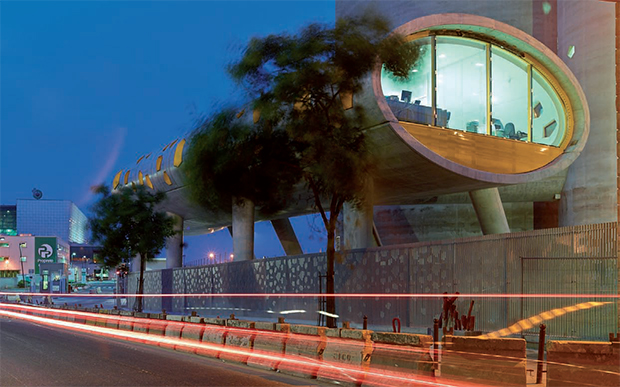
[(508, 123), (31, 219), (28, 252), (583, 35)]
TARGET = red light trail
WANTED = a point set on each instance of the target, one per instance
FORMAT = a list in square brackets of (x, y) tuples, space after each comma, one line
[(337, 371), (315, 295)]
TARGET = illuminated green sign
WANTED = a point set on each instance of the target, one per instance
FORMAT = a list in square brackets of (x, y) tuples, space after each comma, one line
[(44, 251)]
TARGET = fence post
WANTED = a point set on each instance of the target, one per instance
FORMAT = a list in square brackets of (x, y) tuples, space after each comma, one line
[(541, 353), (435, 345)]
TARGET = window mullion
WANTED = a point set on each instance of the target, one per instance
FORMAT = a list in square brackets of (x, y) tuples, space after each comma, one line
[(529, 103), (489, 90), (434, 79)]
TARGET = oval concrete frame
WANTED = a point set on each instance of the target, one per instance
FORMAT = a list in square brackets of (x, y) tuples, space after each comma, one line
[(514, 37)]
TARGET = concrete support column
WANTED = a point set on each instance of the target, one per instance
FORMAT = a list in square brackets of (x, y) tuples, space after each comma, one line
[(174, 244), (358, 222), (243, 229), (286, 235), (490, 211), (135, 264)]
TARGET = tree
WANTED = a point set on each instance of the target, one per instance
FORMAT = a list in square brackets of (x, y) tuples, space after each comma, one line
[(127, 224), (232, 161), (305, 83)]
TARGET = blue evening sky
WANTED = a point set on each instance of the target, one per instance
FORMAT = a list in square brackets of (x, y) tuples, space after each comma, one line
[(87, 87)]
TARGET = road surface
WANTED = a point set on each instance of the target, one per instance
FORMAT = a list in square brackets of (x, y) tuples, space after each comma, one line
[(37, 355)]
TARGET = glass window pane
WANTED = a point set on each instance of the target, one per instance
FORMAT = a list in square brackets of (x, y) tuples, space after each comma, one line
[(548, 124), (410, 100), (509, 90), (461, 84)]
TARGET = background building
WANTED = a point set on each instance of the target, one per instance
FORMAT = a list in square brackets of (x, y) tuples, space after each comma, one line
[(8, 220), (60, 218), (26, 253)]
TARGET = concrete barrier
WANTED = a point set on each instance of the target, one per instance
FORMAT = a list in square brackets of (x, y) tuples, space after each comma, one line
[(269, 345), (239, 341), (398, 353), (305, 345), (174, 317), (102, 321), (213, 335), (79, 318), (191, 333), (172, 330), (125, 323), (499, 362), (583, 363), (113, 322), (92, 318), (346, 356), (157, 327), (141, 325)]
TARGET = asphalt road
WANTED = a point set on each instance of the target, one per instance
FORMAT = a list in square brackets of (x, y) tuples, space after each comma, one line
[(37, 355)]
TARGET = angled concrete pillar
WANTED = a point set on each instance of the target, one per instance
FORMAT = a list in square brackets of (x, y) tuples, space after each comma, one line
[(174, 244), (243, 229), (286, 235), (490, 211), (358, 222), (135, 264)]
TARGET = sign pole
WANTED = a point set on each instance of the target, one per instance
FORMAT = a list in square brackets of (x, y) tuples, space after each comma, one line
[(21, 261)]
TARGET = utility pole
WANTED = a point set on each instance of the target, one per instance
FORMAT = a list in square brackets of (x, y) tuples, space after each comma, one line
[(21, 261)]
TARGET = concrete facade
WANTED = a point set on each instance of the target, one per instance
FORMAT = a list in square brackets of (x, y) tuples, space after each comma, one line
[(589, 195)]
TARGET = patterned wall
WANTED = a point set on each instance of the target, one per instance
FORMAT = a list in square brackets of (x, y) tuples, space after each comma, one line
[(489, 264)]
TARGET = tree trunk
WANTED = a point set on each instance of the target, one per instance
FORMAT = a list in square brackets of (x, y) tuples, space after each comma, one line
[(331, 258), (141, 283)]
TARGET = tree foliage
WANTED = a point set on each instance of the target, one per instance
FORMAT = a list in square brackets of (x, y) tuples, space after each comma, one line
[(126, 223), (302, 83), (230, 157)]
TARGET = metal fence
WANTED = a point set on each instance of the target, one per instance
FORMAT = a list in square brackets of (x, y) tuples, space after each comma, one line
[(570, 260)]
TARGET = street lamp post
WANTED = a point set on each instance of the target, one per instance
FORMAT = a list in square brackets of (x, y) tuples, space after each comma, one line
[(21, 261)]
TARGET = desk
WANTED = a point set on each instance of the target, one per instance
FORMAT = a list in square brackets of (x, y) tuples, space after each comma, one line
[(419, 114)]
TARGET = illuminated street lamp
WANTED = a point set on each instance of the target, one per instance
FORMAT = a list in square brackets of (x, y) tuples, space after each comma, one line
[(22, 259)]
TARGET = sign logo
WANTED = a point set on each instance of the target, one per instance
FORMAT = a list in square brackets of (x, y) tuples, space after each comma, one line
[(45, 251)]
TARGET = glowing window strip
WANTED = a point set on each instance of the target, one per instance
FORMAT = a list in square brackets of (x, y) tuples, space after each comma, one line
[(126, 179), (167, 178), (158, 163), (148, 181), (117, 179), (178, 153), (140, 178)]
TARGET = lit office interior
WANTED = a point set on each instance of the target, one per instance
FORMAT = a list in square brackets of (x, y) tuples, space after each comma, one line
[(476, 80)]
